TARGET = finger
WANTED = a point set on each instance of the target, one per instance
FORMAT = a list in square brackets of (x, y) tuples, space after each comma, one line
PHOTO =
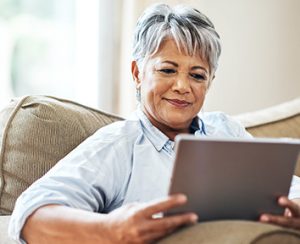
[(293, 207), (287, 213), (150, 234), (164, 204), (159, 228), (281, 220), (167, 224)]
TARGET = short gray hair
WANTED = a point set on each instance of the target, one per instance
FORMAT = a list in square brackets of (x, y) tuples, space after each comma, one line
[(192, 31)]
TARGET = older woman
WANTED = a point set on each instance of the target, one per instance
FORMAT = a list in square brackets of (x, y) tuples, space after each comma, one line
[(110, 187)]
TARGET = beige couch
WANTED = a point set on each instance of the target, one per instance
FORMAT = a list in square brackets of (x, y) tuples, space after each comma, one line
[(37, 131)]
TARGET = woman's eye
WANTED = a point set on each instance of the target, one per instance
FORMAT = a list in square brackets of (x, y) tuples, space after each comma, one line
[(167, 71), (198, 77)]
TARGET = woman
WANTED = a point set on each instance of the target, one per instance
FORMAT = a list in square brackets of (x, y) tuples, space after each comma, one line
[(109, 188)]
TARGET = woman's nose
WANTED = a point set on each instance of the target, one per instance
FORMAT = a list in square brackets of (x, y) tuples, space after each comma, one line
[(181, 84)]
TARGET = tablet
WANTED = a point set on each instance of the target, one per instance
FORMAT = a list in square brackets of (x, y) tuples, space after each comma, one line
[(232, 178)]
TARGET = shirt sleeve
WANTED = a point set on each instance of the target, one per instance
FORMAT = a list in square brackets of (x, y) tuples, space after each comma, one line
[(237, 127), (295, 188), (89, 178), (219, 124)]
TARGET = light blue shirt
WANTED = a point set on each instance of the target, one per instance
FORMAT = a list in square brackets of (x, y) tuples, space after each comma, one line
[(127, 161)]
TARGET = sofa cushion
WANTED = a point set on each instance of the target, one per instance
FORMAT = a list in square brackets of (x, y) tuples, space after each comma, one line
[(35, 133), (233, 232)]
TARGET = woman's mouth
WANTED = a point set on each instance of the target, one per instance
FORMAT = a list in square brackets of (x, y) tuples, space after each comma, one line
[(178, 103)]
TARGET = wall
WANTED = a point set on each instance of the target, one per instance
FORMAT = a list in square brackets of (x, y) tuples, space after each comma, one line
[(259, 65)]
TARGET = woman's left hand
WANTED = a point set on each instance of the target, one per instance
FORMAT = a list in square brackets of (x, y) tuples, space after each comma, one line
[(291, 217)]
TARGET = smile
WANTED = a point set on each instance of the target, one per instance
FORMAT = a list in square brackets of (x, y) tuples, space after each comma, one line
[(178, 103)]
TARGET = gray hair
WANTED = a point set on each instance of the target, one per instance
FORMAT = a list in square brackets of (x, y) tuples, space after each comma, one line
[(192, 31)]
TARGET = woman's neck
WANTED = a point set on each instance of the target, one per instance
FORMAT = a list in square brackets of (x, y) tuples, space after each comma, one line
[(170, 132)]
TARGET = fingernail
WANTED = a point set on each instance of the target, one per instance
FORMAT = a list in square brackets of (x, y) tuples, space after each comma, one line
[(264, 218), (194, 218), (281, 200), (182, 198)]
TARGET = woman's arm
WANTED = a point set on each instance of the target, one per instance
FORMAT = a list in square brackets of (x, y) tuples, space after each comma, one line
[(61, 224), (132, 223)]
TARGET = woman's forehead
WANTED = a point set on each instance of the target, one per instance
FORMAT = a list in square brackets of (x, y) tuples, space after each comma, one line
[(169, 51), (169, 47)]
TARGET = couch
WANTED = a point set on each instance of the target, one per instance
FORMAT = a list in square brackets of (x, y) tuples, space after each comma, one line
[(37, 131)]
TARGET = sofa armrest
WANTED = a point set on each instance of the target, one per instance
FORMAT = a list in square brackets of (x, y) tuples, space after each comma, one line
[(270, 115)]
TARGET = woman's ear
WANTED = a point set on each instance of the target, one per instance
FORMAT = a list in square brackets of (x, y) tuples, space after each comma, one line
[(135, 73)]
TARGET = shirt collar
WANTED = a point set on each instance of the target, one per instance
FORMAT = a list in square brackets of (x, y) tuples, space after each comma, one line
[(155, 136), (159, 139), (201, 127)]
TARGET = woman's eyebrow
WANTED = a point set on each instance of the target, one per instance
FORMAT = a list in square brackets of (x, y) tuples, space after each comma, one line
[(170, 62)]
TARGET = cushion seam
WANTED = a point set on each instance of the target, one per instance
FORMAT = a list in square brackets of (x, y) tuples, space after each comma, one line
[(3, 142)]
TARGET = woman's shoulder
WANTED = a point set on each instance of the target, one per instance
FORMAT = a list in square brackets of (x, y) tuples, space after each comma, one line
[(117, 137), (215, 116), (219, 117), (218, 123), (125, 129)]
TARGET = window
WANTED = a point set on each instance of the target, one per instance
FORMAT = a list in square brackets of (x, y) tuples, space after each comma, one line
[(49, 47)]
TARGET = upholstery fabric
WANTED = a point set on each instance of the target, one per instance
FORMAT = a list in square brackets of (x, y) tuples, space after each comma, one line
[(233, 232), (288, 127), (35, 133)]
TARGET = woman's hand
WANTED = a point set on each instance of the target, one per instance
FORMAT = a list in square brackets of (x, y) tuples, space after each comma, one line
[(134, 223), (291, 217)]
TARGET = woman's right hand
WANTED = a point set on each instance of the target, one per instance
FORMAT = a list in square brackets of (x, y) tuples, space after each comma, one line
[(134, 223)]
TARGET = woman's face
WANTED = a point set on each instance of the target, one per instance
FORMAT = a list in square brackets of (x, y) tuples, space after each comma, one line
[(173, 87)]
